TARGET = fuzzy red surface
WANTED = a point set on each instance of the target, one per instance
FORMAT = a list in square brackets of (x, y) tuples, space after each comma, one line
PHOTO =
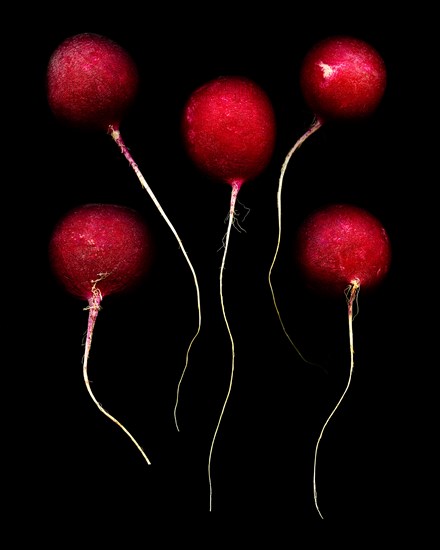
[(341, 244), (228, 128), (343, 77), (101, 247), (91, 81)]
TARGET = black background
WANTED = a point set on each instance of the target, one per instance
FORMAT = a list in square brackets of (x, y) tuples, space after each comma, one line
[(263, 454)]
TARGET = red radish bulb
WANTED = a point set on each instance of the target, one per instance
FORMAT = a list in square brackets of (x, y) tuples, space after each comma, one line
[(97, 250), (342, 248), (229, 130), (91, 83), (342, 78)]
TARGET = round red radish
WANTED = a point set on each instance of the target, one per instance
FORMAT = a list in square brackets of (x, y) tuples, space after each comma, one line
[(341, 245), (102, 248), (228, 128), (91, 81), (343, 77)]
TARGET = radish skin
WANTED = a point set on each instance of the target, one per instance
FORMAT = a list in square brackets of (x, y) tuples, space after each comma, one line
[(92, 82)]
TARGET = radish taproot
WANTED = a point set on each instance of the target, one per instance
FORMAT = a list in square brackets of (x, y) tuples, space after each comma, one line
[(342, 78), (229, 131), (341, 249), (92, 82), (97, 250)]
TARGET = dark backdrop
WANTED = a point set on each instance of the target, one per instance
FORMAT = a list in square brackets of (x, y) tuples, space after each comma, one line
[(263, 454)]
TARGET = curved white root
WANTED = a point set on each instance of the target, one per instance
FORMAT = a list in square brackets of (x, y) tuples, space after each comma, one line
[(235, 189), (94, 307), (351, 294), (314, 126), (116, 135)]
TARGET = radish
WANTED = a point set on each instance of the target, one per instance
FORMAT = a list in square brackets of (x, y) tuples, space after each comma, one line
[(229, 130), (97, 250), (342, 248), (342, 78), (91, 83)]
